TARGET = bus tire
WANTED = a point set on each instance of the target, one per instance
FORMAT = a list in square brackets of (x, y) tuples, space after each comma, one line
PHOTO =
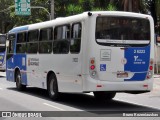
[(103, 95), (53, 88), (19, 85)]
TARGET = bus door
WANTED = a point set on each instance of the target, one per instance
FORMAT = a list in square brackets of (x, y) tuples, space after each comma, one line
[(124, 48), (10, 57), (71, 68)]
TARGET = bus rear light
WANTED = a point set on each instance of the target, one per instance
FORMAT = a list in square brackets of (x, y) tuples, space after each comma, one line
[(145, 85), (151, 62), (92, 67), (94, 73), (99, 85), (149, 75), (92, 61), (151, 68)]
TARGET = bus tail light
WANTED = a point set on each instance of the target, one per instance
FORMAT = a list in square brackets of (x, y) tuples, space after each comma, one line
[(92, 65), (150, 67), (150, 70)]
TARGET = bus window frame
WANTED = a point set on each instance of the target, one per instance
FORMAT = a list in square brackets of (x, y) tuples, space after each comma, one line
[(122, 44), (46, 41), (61, 40), (11, 39), (32, 41), (71, 37), (22, 42)]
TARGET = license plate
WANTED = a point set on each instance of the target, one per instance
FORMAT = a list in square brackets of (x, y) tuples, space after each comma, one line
[(122, 75)]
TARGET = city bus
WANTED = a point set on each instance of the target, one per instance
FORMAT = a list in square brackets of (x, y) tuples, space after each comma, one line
[(2, 52), (102, 52)]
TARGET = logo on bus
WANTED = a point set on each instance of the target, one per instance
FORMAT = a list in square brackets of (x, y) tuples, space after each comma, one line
[(33, 62)]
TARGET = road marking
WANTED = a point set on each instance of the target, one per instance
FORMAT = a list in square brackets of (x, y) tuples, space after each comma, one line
[(54, 106), (1, 88)]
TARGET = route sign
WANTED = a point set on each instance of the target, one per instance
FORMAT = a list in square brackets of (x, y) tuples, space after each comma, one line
[(22, 7)]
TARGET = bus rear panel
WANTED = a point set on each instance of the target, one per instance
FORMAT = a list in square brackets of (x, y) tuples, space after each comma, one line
[(121, 58)]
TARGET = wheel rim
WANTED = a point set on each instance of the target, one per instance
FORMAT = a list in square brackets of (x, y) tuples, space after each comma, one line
[(51, 87), (18, 80)]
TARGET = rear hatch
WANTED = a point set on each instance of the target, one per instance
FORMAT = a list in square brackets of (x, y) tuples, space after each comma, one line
[(124, 48)]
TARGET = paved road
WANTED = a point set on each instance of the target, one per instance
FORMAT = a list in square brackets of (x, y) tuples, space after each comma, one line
[(34, 99)]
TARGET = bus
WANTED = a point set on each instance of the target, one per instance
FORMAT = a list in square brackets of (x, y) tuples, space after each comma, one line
[(101, 52), (2, 52)]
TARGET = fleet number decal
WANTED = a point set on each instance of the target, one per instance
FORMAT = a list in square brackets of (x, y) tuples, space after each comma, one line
[(139, 51)]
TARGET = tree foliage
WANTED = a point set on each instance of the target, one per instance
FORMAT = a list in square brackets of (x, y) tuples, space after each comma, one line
[(71, 7)]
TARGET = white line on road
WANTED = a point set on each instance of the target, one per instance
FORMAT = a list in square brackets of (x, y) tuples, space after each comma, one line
[(1, 88), (54, 106)]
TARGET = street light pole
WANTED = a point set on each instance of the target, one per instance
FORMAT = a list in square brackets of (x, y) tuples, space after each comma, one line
[(52, 9)]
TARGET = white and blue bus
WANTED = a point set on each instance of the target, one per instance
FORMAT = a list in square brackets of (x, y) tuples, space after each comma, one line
[(2, 52), (101, 52)]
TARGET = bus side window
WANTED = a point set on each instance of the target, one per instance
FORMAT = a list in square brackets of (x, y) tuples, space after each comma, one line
[(21, 43), (32, 42), (61, 39), (11, 39), (75, 43), (45, 41)]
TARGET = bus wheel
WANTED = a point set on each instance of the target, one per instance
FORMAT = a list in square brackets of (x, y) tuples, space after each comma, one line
[(102, 95), (19, 86), (53, 88)]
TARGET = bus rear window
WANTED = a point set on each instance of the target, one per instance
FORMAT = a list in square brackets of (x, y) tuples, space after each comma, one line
[(122, 31)]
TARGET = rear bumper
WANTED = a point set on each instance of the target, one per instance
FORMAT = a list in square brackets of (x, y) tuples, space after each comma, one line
[(90, 85)]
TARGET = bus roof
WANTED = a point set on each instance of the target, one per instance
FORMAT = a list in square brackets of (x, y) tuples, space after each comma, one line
[(65, 20)]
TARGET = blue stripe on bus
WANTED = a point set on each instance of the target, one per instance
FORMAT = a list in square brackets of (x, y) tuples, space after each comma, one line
[(18, 61), (18, 29), (10, 69), (137, 62)]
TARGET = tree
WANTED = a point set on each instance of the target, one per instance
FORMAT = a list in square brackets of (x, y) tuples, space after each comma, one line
[(70, 7), (134, 5), (152, 7), (4, 21), (157, 22), (9, 19)]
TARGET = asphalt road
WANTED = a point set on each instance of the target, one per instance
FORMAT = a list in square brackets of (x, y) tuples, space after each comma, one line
[(81, 106)]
